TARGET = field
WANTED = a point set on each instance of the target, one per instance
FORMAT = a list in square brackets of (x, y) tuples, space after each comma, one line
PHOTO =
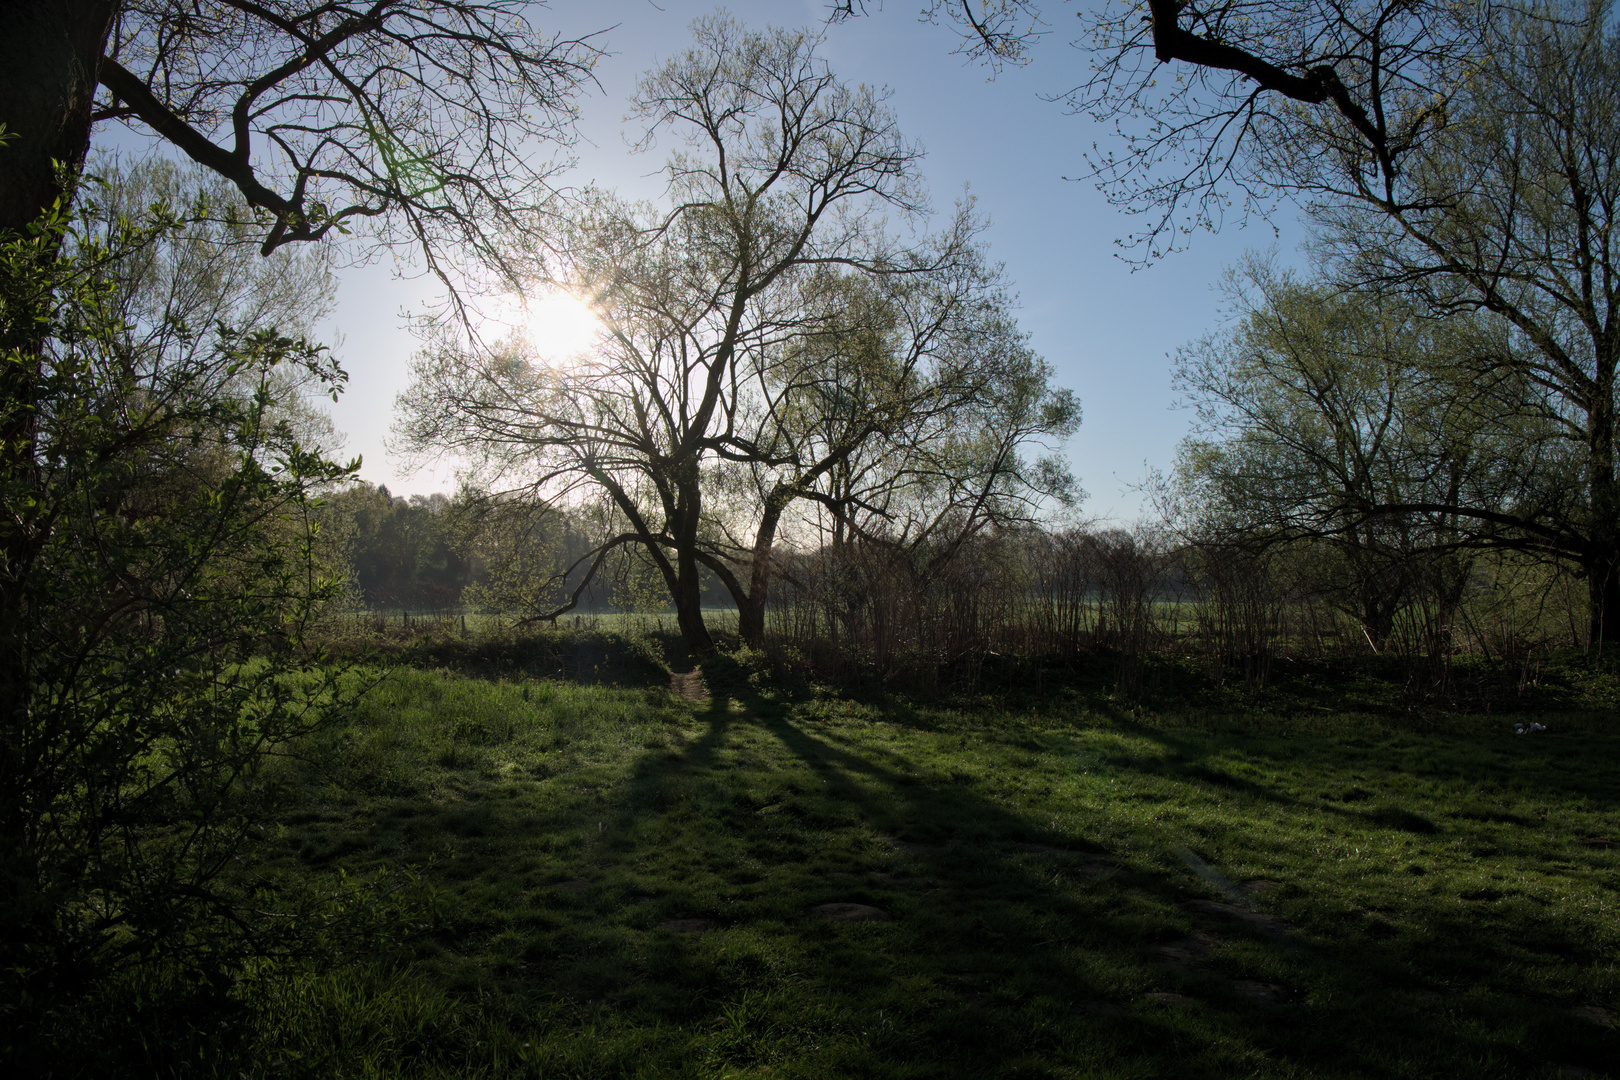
[(597, 880)]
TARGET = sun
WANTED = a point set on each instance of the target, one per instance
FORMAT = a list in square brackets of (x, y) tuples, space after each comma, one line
[(559, 325)]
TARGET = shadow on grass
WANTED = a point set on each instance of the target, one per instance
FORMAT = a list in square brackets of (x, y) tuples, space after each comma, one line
[(1016, 947), (628, 885)]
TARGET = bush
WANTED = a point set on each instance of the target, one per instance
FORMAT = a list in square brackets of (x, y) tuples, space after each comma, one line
[(157, 570)]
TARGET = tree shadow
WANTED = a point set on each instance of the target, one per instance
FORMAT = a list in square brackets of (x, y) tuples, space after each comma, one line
[(1014, 940), (676, 890)]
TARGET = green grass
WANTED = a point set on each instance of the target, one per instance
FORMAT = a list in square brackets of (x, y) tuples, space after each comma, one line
[(612, 882)]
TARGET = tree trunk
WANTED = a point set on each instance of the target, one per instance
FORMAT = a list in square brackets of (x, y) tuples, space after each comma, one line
[(1603, 598), (49, 51), (751, 608), (686, 589), (1378, 622), (689, 605), (751, 619), (1603, 562)]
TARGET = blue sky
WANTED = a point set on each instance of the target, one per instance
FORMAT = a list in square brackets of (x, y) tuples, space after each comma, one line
[(1107, 328)]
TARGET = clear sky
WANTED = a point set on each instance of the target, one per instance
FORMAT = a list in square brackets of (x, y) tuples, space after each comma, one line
[(1106, 328)]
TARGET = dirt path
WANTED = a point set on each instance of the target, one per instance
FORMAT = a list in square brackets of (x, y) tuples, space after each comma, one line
[(689, 685)]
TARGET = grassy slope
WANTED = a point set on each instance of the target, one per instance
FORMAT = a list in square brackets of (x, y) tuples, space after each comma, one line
[(1435, 912)]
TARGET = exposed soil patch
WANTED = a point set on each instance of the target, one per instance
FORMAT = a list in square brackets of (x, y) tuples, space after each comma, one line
[(689, 685), (1260, 885)]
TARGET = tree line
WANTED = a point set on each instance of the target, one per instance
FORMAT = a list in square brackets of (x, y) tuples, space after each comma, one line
[(440, 556)]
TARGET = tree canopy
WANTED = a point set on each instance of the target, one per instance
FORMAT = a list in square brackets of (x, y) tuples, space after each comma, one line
[(430, 123), (1224, 106)]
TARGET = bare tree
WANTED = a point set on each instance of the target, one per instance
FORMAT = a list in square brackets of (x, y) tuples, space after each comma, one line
[(760, 330), (902, 414)]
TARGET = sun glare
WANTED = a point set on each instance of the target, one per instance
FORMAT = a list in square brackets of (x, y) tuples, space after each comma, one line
[(559, 325)]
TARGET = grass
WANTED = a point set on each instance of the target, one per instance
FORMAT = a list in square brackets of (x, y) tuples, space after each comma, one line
[(613, 882)]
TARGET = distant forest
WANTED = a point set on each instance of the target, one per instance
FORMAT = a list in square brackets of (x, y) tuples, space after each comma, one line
[(437, 556)]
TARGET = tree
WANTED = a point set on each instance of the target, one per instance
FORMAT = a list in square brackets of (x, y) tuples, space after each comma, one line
[(1466, 153), (1321, 408), (1226, 102), (902, 415), (1513, 208), (399, 552), (157, 654), (735, 320), (169, 296), (416, 119)]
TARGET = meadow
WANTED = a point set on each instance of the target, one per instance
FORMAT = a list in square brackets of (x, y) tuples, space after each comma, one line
[(583, 872)]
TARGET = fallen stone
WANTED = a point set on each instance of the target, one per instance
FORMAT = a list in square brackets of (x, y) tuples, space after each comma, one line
[(849, 913)]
